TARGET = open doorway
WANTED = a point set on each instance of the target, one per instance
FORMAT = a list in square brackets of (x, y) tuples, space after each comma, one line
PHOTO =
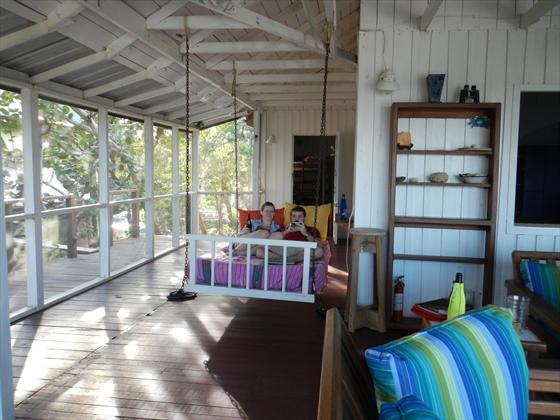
[(314, 169)]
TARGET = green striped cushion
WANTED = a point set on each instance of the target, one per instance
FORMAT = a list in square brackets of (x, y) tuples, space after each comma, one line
[(470, 367), (407, 408), (543, 280)]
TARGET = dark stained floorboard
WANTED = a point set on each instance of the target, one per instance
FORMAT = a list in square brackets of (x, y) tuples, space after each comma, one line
[(122, 351)]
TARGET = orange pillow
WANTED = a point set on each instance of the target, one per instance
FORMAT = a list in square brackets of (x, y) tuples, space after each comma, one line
[(245, 215)]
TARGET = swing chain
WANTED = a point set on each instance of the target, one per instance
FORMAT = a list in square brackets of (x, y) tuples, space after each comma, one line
[(236, 141), (187, 155), (323, 118)]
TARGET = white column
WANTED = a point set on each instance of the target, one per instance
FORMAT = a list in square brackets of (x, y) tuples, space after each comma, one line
[(6, 375), (149, 185), (32, 195), (255, 174), (194, 183), (175, 210), (104, 212)]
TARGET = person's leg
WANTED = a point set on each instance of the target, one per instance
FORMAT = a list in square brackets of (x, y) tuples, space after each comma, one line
[(241, 249)]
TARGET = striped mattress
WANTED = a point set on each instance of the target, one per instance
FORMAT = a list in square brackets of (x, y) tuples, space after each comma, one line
[(294, 272)]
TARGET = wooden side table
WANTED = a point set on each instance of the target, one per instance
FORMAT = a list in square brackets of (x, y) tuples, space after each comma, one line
[(373, 316)]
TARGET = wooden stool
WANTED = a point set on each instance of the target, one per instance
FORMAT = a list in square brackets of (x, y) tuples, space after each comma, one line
[(373, 316)]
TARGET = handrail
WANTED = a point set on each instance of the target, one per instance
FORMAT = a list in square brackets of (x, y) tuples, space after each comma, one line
[(247, 291)]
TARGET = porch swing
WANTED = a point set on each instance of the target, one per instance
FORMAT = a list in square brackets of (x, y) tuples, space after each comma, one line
[(220, 274)]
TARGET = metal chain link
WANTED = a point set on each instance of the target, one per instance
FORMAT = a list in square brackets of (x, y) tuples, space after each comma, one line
[(323, 126), (187, 156), (234, 95)]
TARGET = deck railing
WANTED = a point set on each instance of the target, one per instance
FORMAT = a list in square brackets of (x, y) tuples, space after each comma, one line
[(247, 291)]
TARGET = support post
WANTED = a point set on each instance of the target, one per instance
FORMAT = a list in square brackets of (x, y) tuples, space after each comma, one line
[(149, 186), (32, 194), (105, 231), (6, 374), (175, 210)]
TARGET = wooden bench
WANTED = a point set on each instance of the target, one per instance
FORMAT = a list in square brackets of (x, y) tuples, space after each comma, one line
[(539, 308), (346, 389)]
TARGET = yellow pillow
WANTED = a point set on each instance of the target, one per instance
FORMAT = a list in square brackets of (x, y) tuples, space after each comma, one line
[(324, 210)]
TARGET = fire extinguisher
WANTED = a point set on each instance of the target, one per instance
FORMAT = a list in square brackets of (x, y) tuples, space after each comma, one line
[(398, 296)]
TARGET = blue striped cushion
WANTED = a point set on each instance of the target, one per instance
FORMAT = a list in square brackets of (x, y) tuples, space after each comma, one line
[(407, 408), (543, 280), (471, 366)]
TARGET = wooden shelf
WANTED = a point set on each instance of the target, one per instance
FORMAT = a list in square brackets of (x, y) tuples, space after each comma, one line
[(441, 223), (473, 152), (444, 110), (444, 184), (440, 258), (488, 155)]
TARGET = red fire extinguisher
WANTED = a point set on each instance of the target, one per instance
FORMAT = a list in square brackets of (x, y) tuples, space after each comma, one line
[(398, 295)]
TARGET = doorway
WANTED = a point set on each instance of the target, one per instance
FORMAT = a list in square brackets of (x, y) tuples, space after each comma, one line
[(314, 168)]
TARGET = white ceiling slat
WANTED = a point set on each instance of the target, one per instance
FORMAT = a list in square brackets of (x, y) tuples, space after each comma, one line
[(263, 23), (172, 104), (164, 12), (179, 84), (309, 88), (429, 14), (330, 17), (58, 17), (533, 15), (112, 50), (288, 78), (310, 104), (302, 96), (149, 73), (127, 19), (310, 19), (179, 23), (241, 47), (272, 65)]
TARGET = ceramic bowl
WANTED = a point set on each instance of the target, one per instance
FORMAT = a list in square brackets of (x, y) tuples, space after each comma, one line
[(473, 179)]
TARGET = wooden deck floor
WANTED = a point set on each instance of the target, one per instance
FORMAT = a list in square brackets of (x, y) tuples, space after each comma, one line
[(62, 274), (122, 351)]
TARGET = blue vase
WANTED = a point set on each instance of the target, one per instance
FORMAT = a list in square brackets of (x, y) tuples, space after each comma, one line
[(435, 87)]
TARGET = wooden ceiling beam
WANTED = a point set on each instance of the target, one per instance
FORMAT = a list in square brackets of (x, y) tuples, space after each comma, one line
[(248, 65), (310, 88), (113, 49), (149, 73), (291, 78), (179, 23), (429, 14), (541, 8), (60, 16), (241, 47)]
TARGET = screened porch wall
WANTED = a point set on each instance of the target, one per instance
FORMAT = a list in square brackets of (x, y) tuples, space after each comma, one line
[(277, 156), (476, 43)]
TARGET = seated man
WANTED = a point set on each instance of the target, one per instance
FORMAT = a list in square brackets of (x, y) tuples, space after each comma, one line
[(296, 231)]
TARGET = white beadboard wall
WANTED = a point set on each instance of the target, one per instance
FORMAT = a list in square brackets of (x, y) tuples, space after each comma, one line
[(472, 42), (277, 157)]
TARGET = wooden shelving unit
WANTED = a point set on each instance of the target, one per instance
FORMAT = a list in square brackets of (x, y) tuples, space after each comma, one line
[(487, 224)]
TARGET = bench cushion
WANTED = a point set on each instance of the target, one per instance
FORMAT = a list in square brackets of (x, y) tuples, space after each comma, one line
[(543, 280), (472, 366), (407, 408)]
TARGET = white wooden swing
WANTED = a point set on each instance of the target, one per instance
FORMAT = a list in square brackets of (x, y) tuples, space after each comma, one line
[(190, 287)]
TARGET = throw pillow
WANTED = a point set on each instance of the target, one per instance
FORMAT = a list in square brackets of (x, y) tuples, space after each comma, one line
[(543, 280)]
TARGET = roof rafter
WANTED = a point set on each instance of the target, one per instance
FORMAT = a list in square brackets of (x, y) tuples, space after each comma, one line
[(429, 14), (179, 23), (533, 15), (58, 17), (271, 65), (149, 73), (241, 47), (164, 11), (178, 86), (312, 88), (108, 53), (292, 78), (121, 15)]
